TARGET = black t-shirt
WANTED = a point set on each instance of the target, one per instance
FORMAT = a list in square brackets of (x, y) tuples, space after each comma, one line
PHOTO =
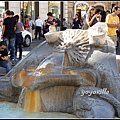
[(58, 22), (9, 23), (50, 22), (3, 53), (94, 21), (76, 24)]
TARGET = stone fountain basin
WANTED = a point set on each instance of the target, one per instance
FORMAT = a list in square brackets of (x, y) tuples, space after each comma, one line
[(52, 37), (97, 40)]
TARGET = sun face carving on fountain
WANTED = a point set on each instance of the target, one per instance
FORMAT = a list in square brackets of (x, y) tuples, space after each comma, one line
[(75, 43)]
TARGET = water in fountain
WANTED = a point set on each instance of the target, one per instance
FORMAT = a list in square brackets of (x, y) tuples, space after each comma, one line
[(10, 110), (19, 104), (32, 101)]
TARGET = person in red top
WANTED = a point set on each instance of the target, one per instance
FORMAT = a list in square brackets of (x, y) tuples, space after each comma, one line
[(27, 24)]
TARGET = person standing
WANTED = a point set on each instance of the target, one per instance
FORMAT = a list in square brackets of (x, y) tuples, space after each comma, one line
[(71, 22), (12, 13), (8, 34), (58, 22), (103, 14), (50, 21), (38, 24), (112, 21), (32, 29), (64, 24), (98, 15), (1, 20), (18, 36), (27, 24), (93, 16), (1, 23), (4, 59), (44, 28), (107, 12), (76, 22)]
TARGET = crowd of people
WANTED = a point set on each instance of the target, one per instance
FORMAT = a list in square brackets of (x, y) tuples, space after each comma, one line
[(92, 16), (12, 29), (11, 39)]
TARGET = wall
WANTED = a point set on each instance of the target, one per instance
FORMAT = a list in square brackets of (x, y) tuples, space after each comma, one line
[(68, 7), (43, 9), (65, 11), (15, 6), (70, 10)]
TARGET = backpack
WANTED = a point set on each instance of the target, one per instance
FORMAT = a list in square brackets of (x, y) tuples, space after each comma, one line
[(33, 26)]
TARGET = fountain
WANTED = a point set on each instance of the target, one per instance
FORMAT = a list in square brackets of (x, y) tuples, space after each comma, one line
[(74, 73)]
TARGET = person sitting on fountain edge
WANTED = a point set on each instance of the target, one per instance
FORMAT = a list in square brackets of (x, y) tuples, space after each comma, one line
[(4, 59)]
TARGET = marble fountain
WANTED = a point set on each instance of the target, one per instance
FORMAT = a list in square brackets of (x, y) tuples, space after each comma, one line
[(73, 74)]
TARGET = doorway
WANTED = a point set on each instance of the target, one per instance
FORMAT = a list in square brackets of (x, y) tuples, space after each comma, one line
[(54, 7), (78, 11), (81, 9), (100, 7), (27, 10)]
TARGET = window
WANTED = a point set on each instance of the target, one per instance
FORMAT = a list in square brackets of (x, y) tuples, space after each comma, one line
[(54, 7), (2, 7), (27, 10), (81, 9)]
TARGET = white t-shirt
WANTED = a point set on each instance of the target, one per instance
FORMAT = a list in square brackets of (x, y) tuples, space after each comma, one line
[(39, 22)]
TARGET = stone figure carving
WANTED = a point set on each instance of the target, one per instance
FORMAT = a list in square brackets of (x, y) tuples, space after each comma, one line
[(77, 74)]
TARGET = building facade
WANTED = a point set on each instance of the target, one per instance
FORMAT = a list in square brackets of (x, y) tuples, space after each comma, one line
[(40, 8)]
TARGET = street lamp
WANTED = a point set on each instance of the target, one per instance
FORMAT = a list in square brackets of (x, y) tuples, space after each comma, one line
[(61, 14)]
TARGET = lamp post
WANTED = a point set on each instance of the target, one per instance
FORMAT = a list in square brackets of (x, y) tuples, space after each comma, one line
[(61, 14)]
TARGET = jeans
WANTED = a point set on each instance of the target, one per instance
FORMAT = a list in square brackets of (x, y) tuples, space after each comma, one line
[(6, 65), (10, 45), (18, 42), (38, 30), (58, 28)]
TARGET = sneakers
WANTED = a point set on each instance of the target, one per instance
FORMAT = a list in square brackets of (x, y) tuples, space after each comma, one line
[(13, 62)]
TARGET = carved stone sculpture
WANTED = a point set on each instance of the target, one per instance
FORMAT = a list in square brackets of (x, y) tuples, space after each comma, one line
[(69, 75)]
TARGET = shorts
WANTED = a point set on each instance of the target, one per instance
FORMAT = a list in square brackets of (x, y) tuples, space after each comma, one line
[(115, 39)]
